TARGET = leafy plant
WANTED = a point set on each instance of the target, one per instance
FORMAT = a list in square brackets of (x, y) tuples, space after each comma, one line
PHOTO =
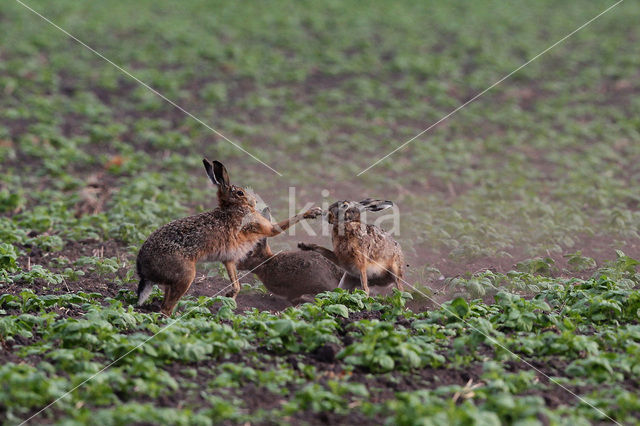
[(102, 265), (538, 265), (577, 262), (8, 258), (381, 347), (38, 272)]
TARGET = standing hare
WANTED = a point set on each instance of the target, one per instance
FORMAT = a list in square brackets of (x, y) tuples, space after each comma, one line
[(226, 234), (295, 275), (365, 252)]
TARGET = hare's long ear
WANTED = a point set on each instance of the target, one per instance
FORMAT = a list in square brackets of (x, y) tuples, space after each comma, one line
[(209, 168), (375, 205), (220, 173), (216, 172), (367, 201)]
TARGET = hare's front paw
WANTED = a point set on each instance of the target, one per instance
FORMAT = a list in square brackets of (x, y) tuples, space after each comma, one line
[(313, 213), (307, 247)]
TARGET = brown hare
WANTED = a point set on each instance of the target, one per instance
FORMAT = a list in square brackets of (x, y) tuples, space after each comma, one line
[(294, 275), (226, 234), (367, 253)]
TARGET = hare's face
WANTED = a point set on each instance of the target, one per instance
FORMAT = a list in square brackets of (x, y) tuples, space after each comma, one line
[(343, 211), (349, 211), (237, 196)]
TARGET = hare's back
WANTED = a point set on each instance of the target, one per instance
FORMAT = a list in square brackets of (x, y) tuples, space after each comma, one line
[(186, 237), (316, 265), (302, 263), (292, 274), (381, 244)]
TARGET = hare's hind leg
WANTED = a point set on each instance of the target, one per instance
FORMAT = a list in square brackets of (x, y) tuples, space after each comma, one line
[(169, 301), (174, 291), (398, 276), (328, 254), (363, 278), (233, 276)]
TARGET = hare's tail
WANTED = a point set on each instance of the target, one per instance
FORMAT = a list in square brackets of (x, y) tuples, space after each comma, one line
[(144, 288)]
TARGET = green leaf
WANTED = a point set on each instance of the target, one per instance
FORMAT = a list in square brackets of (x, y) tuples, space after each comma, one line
[(337, 309), (385, 362), (282, 327), (460, 307)]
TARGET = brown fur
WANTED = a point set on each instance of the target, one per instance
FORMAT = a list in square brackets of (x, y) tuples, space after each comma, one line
[(295, 275), (226, 234), (367, 253)]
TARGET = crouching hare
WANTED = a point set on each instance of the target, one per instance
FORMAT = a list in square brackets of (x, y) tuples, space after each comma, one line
[(294, 275), (367, 253), (226, 234)]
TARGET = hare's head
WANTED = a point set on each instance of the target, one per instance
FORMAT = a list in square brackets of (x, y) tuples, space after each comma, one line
[(228, 195), (349, 211)]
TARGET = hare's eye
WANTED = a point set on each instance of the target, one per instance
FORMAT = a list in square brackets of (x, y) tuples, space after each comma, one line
[(239, 193)]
